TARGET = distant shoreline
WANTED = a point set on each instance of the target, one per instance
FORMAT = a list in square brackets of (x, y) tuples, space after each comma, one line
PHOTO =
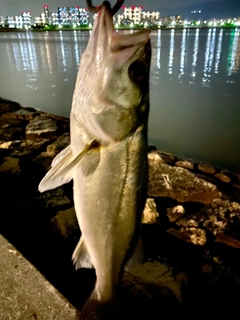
[(88, 29)]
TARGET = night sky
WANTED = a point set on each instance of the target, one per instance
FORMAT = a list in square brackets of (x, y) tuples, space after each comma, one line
[(15, 7)]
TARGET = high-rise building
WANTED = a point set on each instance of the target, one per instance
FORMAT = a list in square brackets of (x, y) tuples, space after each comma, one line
[(46, 13)]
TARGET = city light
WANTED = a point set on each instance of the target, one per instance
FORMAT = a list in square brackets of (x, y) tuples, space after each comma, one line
[(130, 18)]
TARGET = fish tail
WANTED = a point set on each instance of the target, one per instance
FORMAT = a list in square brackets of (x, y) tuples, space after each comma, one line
[(95, 309)]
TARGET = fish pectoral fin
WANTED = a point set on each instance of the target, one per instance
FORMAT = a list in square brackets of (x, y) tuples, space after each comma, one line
[(62, 165), (81, 257)]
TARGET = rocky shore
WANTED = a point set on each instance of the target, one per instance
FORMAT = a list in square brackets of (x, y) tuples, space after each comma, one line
[(191, 224)]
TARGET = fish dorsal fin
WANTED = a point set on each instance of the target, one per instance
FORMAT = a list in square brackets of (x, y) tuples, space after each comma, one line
[(61, 172), (81, 257)]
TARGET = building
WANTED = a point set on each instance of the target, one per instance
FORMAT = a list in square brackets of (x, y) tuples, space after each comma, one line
[(23, 21), (26, 20), (46, 14), (3, 21), (73, 16), (171, 21), (136, 16), (54, 19)]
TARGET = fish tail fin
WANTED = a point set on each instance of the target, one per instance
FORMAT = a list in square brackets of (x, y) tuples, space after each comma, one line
[(95, 309)]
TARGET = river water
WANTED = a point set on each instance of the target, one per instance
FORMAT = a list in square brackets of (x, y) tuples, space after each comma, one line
[(194, 86)]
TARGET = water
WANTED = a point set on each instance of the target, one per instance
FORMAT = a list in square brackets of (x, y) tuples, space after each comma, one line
[(195, 86)]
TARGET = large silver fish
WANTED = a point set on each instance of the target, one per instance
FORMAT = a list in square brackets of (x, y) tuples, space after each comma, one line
[(107, 158)]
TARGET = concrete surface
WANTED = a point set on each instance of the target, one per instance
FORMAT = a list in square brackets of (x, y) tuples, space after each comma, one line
[(24, 293)]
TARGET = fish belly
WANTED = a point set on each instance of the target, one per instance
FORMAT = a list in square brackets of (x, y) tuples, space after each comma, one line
[(109, 194)]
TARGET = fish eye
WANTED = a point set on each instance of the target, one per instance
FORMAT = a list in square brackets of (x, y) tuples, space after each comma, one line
[(137, 71)]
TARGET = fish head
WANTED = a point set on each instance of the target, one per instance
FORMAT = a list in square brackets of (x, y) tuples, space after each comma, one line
[(111, 96)]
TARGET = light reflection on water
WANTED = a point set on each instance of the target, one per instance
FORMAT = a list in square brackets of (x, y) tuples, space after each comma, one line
[(195, 85)]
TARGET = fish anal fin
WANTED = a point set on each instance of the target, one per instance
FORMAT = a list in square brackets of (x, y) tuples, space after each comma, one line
[(81, 257), (136, 256)]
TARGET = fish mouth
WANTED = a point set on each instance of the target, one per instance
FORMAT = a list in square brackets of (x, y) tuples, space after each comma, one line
[(113, 10)]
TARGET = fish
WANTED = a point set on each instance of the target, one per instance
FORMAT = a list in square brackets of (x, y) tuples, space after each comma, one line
[(107, 157)]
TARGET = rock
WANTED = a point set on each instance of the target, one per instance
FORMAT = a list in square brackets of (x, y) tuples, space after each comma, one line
[(65, 223), (228, 240), (12, 134), (42, 127), (20, 148), (11, 129), (175, 213), (237, 184), (191, 235), (178, 183), (189, 221), (150, 214), (21, 115), (206, 168), (31, 109), (55, 199), (151, 281), (62, 142), (8, 106), (207, 269), (10, 166), (44, 160), (166, 157), (221, 218), (185, 164), (151, 148), (222, 177)]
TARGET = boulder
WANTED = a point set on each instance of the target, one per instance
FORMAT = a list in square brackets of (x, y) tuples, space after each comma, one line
[(62, 142), (178, 183), (8, 106), (150, 214), (11, 129), (42, 127), (221, 218), (65, 224), (21, 114)]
